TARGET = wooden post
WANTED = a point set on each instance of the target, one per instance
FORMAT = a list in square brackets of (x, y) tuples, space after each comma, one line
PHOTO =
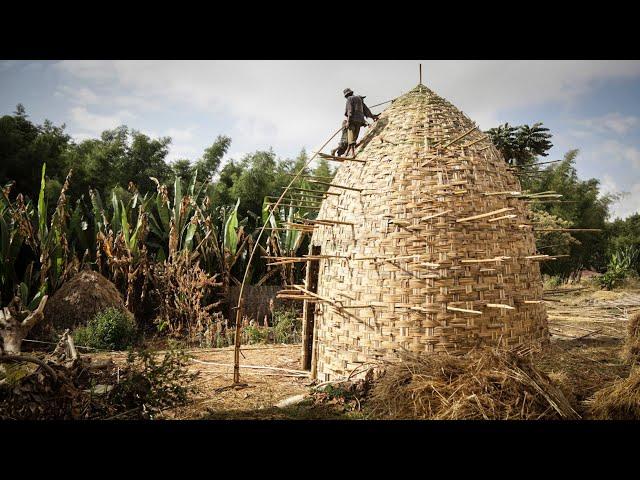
[(236, 359), (308, 321), (420, 74)]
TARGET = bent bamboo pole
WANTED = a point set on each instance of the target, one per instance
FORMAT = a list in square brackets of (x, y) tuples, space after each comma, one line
[(236, 362)]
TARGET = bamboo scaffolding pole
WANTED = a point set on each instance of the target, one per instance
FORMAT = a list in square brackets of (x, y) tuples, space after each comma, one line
[(484, 215), (486, 137), (311, 191), (344, 187), (459, 137), (236, 363), (341, 159), (311, 176), (308, 207), (506, 192)]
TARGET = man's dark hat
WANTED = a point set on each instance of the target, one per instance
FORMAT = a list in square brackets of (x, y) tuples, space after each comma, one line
[(347, 90)]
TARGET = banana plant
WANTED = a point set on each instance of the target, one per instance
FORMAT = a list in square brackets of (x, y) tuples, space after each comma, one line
[(175, 223), (52, 237)]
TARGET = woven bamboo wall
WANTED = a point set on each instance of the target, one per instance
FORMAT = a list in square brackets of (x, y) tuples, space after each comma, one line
[(417, 188)]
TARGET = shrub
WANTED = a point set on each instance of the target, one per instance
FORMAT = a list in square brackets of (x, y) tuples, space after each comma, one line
[(256, 334), (110, 329), (151, 385), (623, 262), (286, 326)]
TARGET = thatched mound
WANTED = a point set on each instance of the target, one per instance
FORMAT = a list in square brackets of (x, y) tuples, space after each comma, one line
[(618, 401), (79, 299), (631, 350), (489, 384)]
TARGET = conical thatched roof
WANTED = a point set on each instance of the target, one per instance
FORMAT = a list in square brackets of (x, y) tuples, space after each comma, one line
[(413, 267)]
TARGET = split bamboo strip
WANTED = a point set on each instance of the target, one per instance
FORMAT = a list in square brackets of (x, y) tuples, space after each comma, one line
[(463, 310), (335, 186), (429, 217), (460, 137), (484, 215), (504, 217), (500, 305)]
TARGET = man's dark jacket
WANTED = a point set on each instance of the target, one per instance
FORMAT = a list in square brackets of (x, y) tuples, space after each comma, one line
[(356, 110)]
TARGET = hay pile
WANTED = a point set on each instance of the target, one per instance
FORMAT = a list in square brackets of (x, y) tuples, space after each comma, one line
[(79, 299), (488, 384), (631, 350), (618, 401), (621, 399)]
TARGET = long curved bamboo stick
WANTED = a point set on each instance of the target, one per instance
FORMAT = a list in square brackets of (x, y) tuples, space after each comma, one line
[(236, 362)]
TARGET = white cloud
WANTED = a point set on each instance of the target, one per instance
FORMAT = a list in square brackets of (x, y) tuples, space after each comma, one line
[(611, 122), (629, 202), (88, 123), (180, 134), (288, 104)]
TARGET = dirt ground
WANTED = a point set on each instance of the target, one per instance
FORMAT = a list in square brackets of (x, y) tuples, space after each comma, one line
[(587, 326)]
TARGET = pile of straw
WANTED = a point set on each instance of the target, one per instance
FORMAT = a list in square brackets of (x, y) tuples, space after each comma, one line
[(631, 350), (487, 384), (621, 399), (618, 401)]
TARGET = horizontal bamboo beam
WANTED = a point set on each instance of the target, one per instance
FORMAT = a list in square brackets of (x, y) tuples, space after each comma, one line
[(335, 186), (323, 221), (484, 260), (340, 159), (506, 192), (311, 191)]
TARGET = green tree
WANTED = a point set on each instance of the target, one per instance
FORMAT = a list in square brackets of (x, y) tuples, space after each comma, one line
[(583, 206), (521, 145), (25, 146), (210, 161)]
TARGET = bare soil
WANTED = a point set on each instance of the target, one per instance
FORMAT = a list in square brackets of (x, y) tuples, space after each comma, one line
[(588, 330)]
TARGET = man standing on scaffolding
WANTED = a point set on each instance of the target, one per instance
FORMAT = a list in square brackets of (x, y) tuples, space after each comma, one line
[(355, 111)]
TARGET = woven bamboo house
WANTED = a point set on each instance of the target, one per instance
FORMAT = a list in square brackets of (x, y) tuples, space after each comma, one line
[(427, 246)]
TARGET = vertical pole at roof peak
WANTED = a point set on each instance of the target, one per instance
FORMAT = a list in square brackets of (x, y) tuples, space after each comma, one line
[(420, 69)]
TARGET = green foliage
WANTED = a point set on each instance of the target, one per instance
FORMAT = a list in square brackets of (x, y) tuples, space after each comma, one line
[(287, 326), (255, 334), (623, 262), (151, 385), (521, 145), (111, 329), (582, 206)]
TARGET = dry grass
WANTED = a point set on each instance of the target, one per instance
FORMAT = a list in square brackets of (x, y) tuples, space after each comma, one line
[(79, 299), (488, 384), (618, 401), (631, 351)]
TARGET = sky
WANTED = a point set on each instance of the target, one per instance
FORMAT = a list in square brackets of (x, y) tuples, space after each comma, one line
[(593, 106)]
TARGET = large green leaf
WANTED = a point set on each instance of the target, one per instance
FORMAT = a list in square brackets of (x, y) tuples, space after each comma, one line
[(42, 207), (230, 233), (125, 226)]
